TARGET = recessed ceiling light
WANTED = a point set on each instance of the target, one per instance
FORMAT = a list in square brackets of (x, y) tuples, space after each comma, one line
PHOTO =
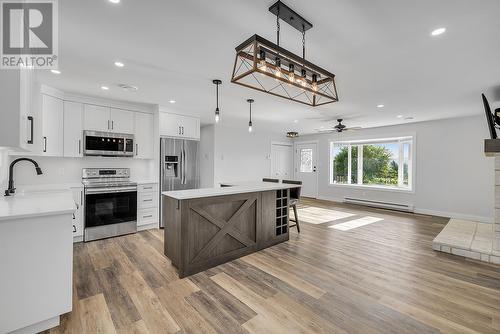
[(400, 116), (56, 71), (380, 105), (119, 64), (104, 87), (114, 1), (172, 101), (438, 31), (296, 121)]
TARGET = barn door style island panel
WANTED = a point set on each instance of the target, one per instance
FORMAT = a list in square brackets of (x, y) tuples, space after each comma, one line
[(208, 227)]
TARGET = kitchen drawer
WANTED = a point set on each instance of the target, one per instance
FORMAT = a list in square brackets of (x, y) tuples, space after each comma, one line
[(147, 216), (150, 187), (147, 200)]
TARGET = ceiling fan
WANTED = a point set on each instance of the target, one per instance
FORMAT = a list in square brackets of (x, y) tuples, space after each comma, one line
[(339, 127)]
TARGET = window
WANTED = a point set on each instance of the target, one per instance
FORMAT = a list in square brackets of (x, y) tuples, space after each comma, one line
[(385, 163), (306, 160)]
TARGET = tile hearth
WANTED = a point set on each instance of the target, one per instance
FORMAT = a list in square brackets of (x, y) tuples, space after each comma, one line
[(469, 239)]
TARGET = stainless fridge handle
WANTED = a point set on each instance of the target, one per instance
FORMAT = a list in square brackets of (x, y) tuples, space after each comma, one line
[(183, 166)]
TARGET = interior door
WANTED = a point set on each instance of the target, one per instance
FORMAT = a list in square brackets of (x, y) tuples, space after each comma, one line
[(306, 162), (282, 161)]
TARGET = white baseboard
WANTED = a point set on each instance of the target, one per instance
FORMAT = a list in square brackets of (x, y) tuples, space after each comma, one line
[(455, 215)]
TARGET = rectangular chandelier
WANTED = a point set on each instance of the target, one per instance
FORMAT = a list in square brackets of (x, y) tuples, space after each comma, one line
[(263, 65)]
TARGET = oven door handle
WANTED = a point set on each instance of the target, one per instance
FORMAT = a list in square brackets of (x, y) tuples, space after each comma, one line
[(109, 190)]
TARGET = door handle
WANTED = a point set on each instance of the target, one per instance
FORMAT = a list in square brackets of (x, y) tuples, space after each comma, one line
[(30, 119), (44, 144)]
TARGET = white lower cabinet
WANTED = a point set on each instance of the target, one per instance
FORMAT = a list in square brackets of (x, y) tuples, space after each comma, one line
[(147, 204), (79, 214)]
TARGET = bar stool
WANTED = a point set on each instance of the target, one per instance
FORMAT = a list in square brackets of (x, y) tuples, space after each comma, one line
[(294, 199), (270, 180)]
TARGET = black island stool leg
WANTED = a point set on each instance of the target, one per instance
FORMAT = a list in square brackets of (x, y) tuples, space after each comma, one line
[(294, 200)]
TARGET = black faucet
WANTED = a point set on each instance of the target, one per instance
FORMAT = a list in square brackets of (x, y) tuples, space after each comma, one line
[(11, 189)]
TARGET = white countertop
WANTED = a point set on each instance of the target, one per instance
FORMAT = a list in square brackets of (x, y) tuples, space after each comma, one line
[(235, 188), (36, 203)]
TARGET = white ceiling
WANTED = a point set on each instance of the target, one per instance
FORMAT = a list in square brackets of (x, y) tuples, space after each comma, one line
[(380, 50)]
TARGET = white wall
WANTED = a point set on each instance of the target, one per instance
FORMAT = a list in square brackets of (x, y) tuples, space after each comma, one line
[(453, 178), (207, 155), (240, 155), (69, 170)]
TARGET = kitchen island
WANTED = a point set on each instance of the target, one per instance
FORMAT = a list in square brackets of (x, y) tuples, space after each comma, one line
[(207, 227)]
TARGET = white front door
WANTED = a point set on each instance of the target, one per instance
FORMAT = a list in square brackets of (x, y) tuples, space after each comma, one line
[(306, 162), (281, 161)]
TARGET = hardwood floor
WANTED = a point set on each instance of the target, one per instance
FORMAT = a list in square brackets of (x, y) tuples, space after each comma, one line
[(382, 277)]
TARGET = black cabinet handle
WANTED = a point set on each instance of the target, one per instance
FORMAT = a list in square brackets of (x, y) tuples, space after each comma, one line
[(74, 229), (79, 146), (136, 149), (30, 119), (148, 200), (44, 144), (148, 216)]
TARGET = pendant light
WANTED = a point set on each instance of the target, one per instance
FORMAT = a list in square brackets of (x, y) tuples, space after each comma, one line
[(250, 101), (282, 72), (217, 82)]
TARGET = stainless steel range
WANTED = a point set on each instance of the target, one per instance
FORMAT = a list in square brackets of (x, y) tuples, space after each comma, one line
[(110, 203)]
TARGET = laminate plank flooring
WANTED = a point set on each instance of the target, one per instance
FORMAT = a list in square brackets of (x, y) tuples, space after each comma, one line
[(381, 277)]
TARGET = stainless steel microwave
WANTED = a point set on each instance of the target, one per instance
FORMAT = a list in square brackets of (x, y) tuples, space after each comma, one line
[(108, 144)]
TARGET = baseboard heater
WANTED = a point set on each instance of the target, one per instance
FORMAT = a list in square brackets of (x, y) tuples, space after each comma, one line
[(378, 204)]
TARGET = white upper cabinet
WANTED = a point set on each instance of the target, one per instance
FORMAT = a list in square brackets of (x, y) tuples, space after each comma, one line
[(73, 129), (122, 121), (172, 125), (144, 136), (52, 126), (106, 119), (20, 128), (190, 127), (96, 118)]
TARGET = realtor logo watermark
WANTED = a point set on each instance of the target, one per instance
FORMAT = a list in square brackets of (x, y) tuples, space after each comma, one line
[(29, 34)]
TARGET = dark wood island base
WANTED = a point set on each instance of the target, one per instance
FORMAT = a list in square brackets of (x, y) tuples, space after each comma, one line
[(201, 233)]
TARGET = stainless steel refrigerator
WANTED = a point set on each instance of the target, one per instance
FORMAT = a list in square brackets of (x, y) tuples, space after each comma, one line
[(179, 166)]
